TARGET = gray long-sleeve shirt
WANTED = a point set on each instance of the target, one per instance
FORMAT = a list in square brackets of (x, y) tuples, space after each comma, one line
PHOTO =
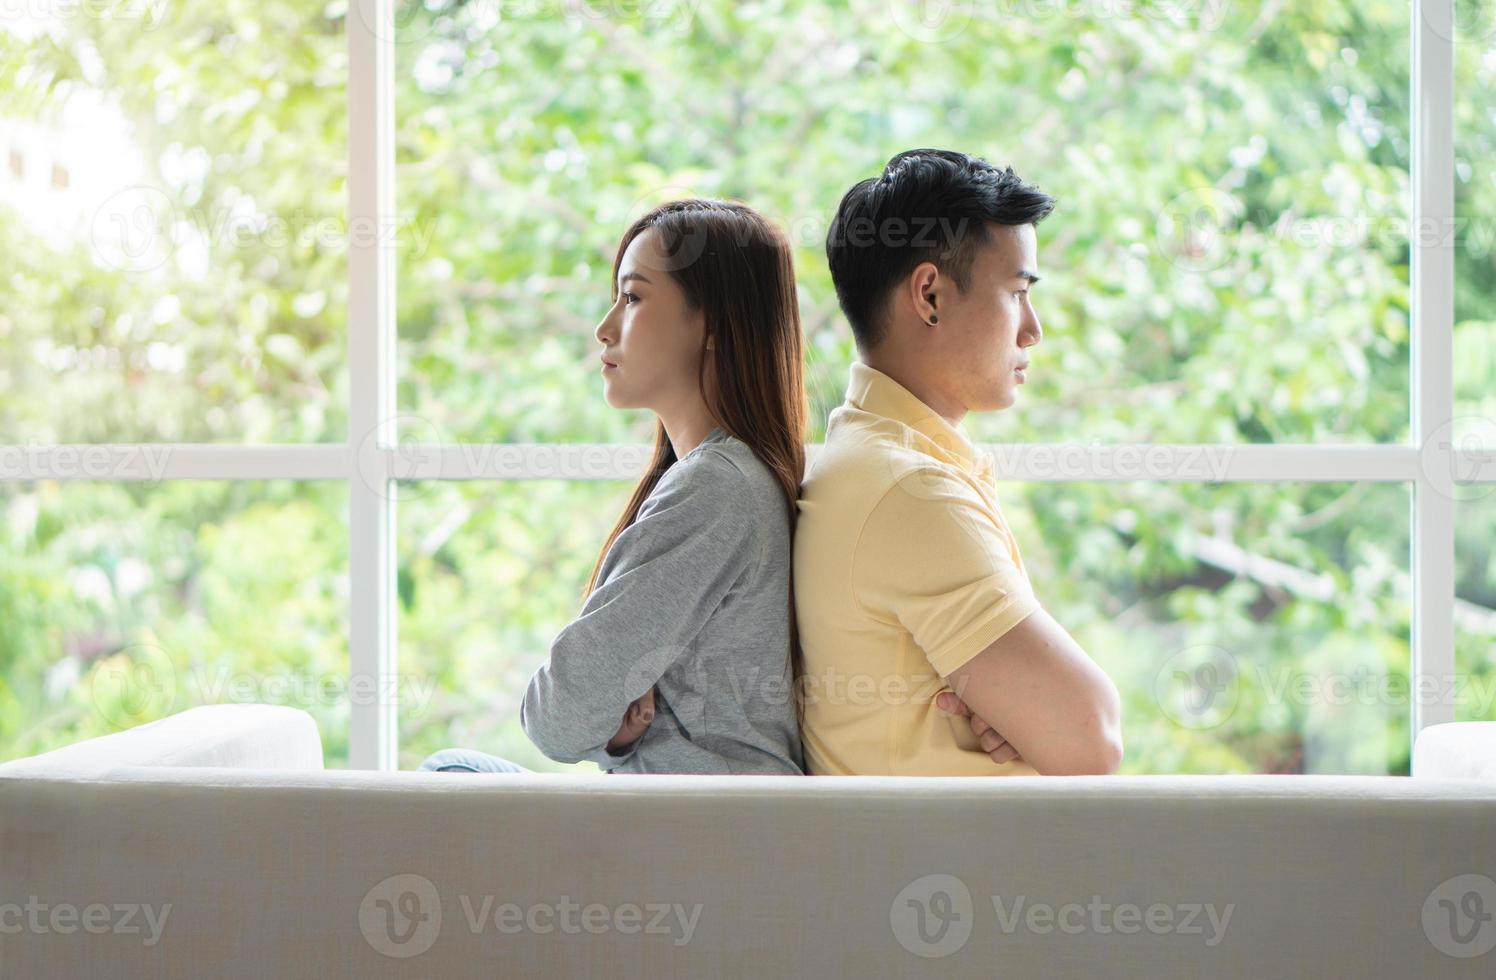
[(692, 600)]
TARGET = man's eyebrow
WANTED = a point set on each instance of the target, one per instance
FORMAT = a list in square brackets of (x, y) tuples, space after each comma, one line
[(1026, 274), (632, 275)]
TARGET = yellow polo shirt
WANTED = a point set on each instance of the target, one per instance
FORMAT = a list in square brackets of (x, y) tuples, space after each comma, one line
[(904, 570)]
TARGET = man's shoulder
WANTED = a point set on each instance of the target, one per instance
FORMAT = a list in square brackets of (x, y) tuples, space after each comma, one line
[(865, 456)]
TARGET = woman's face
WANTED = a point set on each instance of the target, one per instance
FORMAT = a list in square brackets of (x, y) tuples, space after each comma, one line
[(652, 338)]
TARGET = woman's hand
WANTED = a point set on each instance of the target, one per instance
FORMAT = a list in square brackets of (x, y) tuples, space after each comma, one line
[(635, 721), (999, 749)]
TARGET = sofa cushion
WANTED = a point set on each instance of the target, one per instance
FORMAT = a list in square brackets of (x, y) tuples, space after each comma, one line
[(233, 736), (1457, 750)]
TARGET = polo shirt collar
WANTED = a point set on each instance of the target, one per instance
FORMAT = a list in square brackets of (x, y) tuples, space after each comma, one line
[(870, 390)]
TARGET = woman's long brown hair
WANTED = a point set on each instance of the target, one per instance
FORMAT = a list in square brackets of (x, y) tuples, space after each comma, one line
[(737, 269)]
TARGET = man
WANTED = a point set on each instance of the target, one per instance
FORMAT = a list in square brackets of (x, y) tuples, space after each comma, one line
[(926, 649)]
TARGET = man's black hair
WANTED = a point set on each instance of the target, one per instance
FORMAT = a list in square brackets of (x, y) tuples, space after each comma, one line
[(929, 206)]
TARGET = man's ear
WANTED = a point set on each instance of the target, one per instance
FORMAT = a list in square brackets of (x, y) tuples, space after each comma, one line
[(924, 292)]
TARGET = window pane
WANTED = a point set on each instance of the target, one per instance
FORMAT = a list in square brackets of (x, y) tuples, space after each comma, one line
[(1475, 603), (128, 602), (1228, 262), (1475, 225), (1474, 426), (1257, 627), (1249, 627), (489, 574), (172, 231)]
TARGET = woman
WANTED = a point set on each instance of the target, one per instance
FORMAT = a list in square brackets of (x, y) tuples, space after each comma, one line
[(684, 657)]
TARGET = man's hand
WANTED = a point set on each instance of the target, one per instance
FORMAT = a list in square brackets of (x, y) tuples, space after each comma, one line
[(635, 721), (992, 742)]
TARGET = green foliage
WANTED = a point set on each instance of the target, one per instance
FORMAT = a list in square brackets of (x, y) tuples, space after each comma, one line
[(1228, 264)]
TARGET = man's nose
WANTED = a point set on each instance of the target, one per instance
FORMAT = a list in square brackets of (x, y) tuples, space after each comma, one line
[(1032, 329)]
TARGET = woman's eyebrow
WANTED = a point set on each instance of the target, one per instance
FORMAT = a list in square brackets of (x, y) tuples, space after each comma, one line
[(632, 275)]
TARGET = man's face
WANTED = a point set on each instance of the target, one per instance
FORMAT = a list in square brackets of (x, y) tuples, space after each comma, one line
[(986, 330)]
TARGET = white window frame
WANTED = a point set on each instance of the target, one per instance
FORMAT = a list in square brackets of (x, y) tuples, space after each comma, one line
[(368, 467)]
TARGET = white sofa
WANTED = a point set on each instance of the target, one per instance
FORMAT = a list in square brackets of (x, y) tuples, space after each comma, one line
[(274, 867)]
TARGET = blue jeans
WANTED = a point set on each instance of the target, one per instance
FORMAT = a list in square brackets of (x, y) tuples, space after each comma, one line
[(467, 760)]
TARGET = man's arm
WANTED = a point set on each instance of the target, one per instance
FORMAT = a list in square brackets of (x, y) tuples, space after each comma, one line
[(1047, 698), (935, 558), (989, 738)]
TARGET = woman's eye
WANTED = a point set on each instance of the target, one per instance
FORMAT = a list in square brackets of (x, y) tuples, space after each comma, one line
[(629, 298)]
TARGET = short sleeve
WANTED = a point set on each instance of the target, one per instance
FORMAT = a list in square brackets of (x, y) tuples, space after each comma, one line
[(935, 558), (659, 583)]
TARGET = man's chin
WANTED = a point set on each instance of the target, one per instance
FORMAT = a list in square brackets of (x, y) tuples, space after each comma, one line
[(999, 398)]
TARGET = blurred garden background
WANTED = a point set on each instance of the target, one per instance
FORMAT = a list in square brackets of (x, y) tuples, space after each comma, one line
[(1228, 263)]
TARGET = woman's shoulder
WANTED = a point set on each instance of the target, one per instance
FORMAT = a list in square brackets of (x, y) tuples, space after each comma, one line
[(722, 473), (727, 462)]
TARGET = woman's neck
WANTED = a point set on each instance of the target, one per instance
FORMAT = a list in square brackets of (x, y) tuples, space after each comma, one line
[(687, 427)]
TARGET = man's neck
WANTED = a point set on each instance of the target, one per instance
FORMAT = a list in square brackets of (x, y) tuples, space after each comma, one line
[(902, 370)]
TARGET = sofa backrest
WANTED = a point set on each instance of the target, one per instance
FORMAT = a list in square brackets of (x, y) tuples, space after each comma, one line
[(338, 873)]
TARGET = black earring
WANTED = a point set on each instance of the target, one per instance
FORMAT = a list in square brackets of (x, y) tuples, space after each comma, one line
[(934, 319)]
